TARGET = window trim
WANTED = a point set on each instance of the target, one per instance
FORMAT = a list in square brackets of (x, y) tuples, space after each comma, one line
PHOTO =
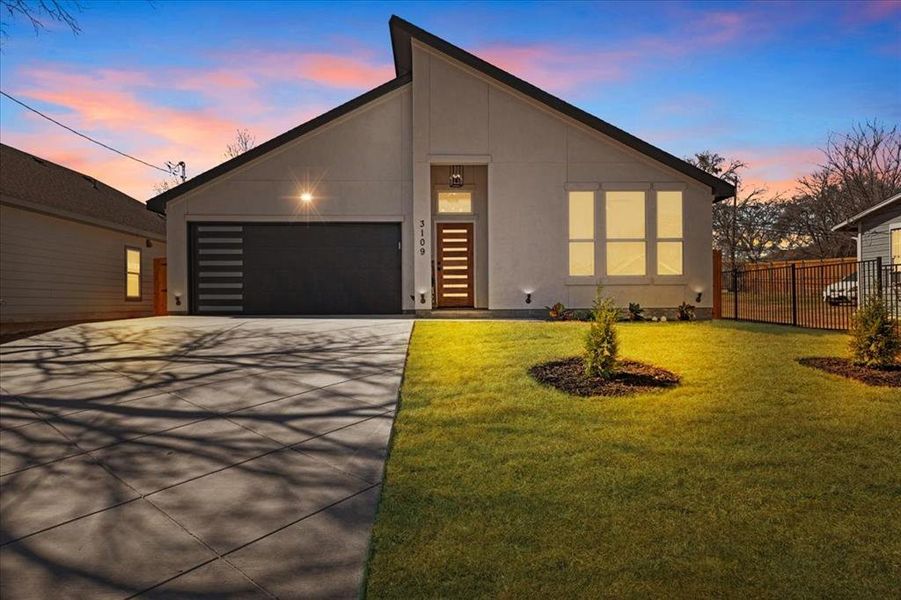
[(658, 239), (594, 230), (608, 240), (140, 273)]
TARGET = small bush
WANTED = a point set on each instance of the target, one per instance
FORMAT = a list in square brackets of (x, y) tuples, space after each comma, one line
[(601, 345), (874, 339), (557, 312), (636, 312), (686, 312)]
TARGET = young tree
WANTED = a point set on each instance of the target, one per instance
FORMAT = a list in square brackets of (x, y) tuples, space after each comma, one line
[(601, 345)]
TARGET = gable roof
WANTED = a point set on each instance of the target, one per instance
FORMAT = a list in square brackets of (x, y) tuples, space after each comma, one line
[(851, 224), (158, 203), (403, 31), (35, 183), (401, 34)]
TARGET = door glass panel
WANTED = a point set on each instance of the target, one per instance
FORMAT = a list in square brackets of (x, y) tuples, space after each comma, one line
[(455, 202)]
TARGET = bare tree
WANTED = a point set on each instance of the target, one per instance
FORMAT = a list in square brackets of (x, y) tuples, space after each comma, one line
[(747, 227), (38, 12), (166, 184), (861, 168), (244, 141)]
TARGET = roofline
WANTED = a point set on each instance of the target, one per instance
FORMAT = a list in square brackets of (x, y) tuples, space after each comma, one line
[(402, 31), (847, 225), (158, 203)]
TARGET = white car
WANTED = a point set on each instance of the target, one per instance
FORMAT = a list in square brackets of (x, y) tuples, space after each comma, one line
[(842, 291)]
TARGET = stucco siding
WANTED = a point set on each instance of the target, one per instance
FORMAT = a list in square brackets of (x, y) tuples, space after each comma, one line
[(357, 168), (55, 270), (533, 154)]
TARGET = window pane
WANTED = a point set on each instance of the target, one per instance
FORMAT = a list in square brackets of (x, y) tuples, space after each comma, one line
[(625, 215), (625, 258), (455, 202), (133, 260), (133, 285), (669, 258), (581, 258), (669, 214), (581, 215)]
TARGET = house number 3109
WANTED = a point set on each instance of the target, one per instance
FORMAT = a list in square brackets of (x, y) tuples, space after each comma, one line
[(422, 236)]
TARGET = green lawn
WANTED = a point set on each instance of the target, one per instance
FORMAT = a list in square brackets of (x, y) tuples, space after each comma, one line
[(756, 477)]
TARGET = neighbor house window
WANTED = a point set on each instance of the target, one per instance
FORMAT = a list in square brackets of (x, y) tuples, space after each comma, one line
[(626, 246), (581, 234), (133, 273), (455, 202), (669, 233), (896, 246)]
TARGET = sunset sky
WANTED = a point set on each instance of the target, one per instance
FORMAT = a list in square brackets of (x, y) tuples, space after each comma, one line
[(763, 82)]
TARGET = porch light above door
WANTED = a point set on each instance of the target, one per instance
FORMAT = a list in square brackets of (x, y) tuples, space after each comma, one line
[(456, 176)]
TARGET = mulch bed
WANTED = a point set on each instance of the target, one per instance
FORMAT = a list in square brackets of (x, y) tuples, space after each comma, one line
[(886, 377), (568, 375)]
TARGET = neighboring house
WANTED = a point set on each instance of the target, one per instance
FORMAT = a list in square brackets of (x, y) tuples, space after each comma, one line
[(878, 231), (72, 249), (454, 185)]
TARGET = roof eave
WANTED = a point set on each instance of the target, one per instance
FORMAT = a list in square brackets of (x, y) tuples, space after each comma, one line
[(402, 31)]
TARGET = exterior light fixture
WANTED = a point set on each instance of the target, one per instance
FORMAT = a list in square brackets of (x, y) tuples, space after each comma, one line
[(421, 297), (456, 176), (306, 197), (177, 299), (528, 297), (698, 297)]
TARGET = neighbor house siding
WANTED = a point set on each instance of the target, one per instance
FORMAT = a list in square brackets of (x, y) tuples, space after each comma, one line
[(356, 167), (533, 154), (876, 241), (55, 270)]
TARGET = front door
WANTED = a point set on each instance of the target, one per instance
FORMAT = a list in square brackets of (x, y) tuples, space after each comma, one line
[(454, 267), (160, 297)]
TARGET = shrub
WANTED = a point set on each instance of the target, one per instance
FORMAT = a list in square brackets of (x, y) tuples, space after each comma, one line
[(601, 343), (557, 312), (874, 339), (686, 312), (635, 312)]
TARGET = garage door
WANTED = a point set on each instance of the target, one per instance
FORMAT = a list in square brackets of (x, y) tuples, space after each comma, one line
[(296, 269)]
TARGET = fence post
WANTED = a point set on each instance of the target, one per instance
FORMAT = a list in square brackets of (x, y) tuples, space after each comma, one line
[(734, 292), (878, 276), (717, 285), (794, 296)]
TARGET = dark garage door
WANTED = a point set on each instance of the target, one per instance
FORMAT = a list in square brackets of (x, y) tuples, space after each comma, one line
[(296, 269)]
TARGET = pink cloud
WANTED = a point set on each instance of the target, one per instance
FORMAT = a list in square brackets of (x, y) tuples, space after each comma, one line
[(330, 70), (777, 169)]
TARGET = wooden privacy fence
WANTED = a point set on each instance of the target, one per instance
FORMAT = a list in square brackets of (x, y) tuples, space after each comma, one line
[(816, 294)]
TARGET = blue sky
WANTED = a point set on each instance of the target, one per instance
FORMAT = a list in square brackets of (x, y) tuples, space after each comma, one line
[(764, 82)]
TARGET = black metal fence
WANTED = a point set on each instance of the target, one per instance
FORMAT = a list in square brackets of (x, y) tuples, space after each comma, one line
[(820, 296)]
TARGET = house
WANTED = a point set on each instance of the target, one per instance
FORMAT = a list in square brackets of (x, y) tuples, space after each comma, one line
[(878, 231), (72, 249), (454, 185)]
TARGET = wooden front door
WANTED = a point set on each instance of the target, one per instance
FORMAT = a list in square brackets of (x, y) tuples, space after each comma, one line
[(159, 287), (454, 267)]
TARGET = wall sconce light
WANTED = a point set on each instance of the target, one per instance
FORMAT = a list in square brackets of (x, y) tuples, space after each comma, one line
[(421, 297), (528, 297), (306, 197), (456, 176), (148, 243), (177, 299), (698, 297)]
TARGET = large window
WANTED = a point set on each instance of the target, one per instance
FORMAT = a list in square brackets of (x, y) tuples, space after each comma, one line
[(133, 273), (455, 202), (896, 246), (626, 246), (669, 233), (581, 234)]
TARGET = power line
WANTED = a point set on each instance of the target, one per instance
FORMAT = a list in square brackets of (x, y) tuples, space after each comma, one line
[(89, 138)]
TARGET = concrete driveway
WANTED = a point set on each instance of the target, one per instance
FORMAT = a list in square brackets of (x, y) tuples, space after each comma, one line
[(199, 457)]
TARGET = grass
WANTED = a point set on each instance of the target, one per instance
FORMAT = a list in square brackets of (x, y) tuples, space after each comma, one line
[(756, 477)]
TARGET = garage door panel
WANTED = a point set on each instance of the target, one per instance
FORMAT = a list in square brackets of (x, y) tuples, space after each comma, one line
[(323, 268)]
